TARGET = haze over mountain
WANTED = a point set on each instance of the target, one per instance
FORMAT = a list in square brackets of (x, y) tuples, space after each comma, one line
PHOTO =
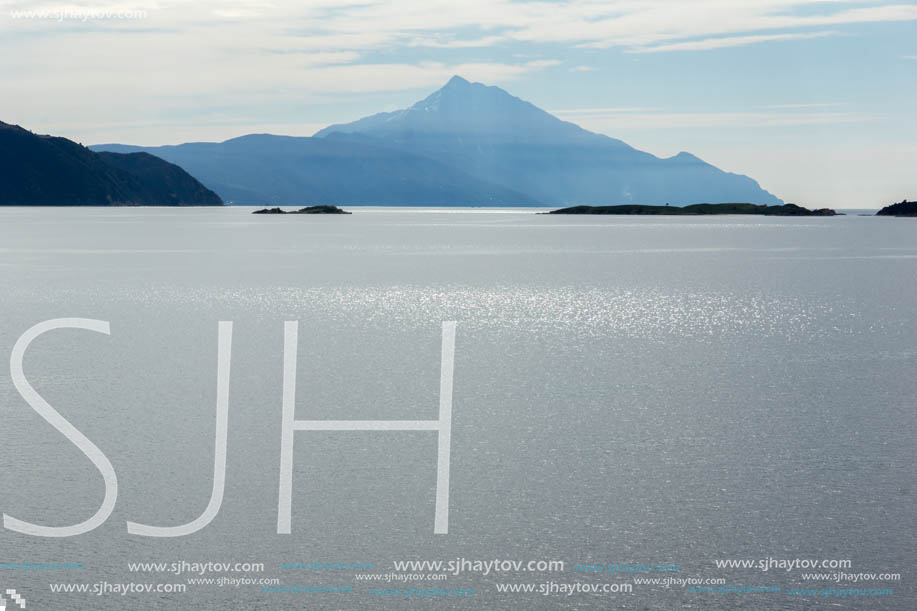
[(267, 169), (466, 144), (493, 135), (52, 171)]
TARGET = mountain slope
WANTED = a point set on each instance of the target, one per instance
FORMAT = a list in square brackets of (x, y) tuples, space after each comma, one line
[(266, 169), (51, 171), (465, 144), (499, 138)]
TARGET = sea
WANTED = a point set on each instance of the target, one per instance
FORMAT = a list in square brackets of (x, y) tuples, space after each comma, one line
[(633, 398)]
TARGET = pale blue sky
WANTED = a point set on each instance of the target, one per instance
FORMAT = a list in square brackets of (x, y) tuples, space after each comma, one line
[(813, 99)]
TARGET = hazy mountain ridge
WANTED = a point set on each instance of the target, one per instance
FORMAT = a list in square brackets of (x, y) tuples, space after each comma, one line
[(464, 144), (263, 168), (497, 137), (53, 171)]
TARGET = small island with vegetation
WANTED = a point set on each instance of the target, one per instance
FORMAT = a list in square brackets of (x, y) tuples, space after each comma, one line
[(902, 208), (307, 210), (699, 209)]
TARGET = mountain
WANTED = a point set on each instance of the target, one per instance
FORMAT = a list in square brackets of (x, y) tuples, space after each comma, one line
[(499, 138), (266, 169), (466, 144), (51, 171)]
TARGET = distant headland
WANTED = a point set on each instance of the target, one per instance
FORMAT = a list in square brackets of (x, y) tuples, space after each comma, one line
[(307, 210), (38, 170), (698, 209), (902, 208)]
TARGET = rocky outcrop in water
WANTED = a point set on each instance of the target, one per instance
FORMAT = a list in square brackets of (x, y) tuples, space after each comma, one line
[(308, 210), (699, 209)]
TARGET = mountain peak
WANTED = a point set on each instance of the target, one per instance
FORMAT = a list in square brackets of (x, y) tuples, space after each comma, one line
[(684, 156), (493, 135), (457, 81), (461, 108)]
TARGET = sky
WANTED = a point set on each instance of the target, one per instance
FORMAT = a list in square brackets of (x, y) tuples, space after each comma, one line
[(816, 100)]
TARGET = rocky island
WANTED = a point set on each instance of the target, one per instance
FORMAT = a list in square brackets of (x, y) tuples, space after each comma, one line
[(699, 209), (307, 210), (902, 208)]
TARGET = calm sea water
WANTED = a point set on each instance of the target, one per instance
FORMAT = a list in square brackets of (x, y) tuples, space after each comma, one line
[(627, 390)]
